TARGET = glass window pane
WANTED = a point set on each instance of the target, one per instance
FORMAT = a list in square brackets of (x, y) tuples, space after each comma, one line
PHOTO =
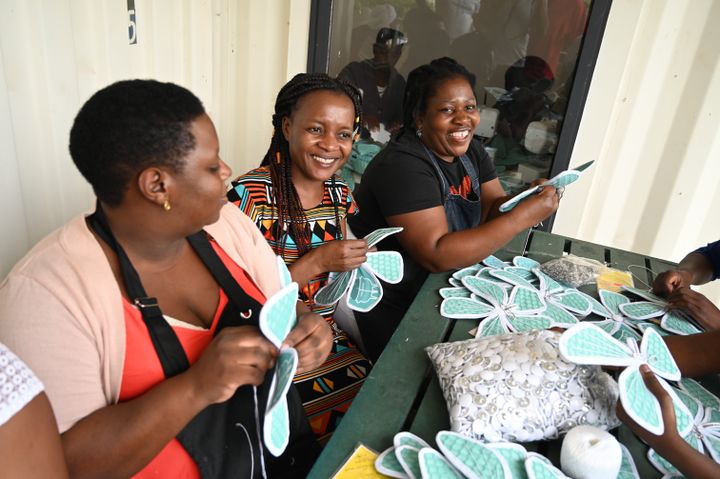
[(523, 53)]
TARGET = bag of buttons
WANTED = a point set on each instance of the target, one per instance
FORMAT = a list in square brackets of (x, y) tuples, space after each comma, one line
[(516, 387)]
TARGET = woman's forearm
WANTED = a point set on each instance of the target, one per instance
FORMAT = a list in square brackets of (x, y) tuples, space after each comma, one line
[(467, 247), (119, 440)]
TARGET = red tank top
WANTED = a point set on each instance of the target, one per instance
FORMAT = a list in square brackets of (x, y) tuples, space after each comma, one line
[(142, 369)]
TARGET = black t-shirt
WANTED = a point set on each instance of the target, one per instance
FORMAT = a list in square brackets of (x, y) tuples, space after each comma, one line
[(401, 179)]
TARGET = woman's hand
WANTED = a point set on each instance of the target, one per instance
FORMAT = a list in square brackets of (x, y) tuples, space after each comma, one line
[(701, 308), (237, 356), (670, 435), (536, 208), (690, 462), (340, 255), (312, 338), (668, 282)]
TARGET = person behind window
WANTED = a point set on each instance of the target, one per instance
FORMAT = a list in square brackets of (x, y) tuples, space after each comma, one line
[(696, 355), (435, 180), (699, 267), (141, 319), (380, 84), (301, 207), (29, 440), (426, 36)]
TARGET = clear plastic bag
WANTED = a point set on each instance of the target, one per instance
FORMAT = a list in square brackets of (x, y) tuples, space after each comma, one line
[(573, 270)]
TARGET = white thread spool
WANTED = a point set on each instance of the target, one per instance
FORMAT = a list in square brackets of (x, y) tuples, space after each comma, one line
[(590, 453)]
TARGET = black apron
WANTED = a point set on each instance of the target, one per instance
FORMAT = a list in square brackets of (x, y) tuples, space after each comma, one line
[(460, 212), (225, 440)]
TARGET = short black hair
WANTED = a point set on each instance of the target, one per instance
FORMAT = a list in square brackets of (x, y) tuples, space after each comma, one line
[(129, 126), (422, 84)]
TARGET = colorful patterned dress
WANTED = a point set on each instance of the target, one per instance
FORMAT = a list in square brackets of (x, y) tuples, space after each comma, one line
[(327, 391)]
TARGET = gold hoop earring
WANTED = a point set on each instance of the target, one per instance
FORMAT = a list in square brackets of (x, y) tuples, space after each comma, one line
[(166, 205)]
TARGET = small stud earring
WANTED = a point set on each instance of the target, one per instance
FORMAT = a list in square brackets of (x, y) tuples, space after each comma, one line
[(166, 205), (418, 132)]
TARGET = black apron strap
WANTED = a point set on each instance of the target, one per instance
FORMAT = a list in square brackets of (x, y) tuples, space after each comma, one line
[(166, 343), (246, 309)]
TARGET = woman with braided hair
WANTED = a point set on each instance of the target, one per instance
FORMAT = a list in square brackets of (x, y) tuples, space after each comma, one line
[(300, 206), (435, 180)]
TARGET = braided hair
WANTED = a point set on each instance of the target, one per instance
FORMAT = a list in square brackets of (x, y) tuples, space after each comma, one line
[(277, 158), (422, 85)]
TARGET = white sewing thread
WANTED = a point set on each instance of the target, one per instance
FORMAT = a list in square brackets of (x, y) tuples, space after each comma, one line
[(590, 453)]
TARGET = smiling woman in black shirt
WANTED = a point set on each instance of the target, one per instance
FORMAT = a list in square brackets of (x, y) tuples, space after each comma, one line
[(435, 180)]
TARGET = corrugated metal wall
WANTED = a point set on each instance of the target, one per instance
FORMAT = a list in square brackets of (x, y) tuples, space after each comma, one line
[(651, 121), (234, 54)]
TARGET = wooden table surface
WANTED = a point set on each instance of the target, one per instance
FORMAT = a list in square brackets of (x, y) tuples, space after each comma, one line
[(402, 391)]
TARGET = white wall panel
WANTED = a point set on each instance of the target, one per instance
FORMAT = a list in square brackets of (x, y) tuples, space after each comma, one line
[(54, 54), (651, 121)]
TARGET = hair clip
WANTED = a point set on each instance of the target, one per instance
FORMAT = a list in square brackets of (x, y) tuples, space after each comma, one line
[(277, 157)]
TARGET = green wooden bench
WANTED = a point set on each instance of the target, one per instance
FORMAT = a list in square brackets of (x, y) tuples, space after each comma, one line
[(402, 392)]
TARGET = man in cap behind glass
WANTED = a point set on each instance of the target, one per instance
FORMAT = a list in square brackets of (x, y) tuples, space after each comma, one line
[(382, 86)]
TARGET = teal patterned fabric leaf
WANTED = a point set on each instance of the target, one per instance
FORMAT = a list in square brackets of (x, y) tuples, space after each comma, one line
[(487, 290), (562, 318), (574, 301), (514, 455), (585, 343), (658, 356), (712, 443), (283, 271), (335, 288), (530, 323), (547, 284), (625, 332), (495, 262), (406, 438), (434, 465), (276, 428), (609, 326), (510, 277), (539, 469), (465, 308), (525, 263), (491, 326), (612, 300), (386, 265), (525, 274), (471, 457), (642, 310), (706, 398), (365, 290), (639, 402), (676, 323), (526, 300), (596, 306), (278, 316), (564, 178), (692, 404), (454, 292), (378, 235), (407, 456), (644, 325), (484, 273), (469, 271), (387, 464), (628, 470)]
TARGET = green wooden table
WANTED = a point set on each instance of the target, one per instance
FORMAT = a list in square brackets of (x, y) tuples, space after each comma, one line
[(402, 391)]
